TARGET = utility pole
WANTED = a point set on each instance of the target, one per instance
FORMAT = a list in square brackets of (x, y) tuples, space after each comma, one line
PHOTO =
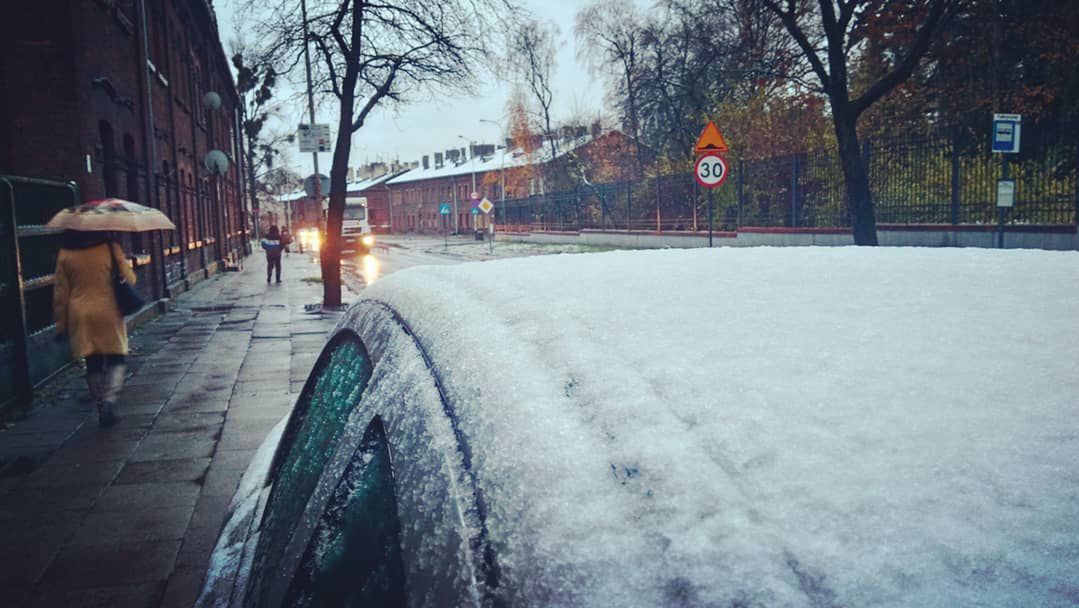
[(311, 104)]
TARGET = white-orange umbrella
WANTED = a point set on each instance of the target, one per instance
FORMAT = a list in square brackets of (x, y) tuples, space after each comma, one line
[(111, 215)]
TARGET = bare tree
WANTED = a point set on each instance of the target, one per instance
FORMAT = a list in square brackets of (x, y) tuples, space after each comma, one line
[(374, 53), (532, 52), (612, 34), (255, 84), (827, 34)]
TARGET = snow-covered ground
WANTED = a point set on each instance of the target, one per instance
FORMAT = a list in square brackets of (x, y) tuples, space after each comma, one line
[(769, 426)]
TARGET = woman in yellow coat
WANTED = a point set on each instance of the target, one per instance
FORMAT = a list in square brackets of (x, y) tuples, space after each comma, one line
[(84, 306)]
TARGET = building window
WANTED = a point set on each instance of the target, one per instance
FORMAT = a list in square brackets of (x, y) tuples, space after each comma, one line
[(108, 157)]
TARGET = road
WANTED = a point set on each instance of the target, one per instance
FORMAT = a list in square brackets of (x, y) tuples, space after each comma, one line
[(396, 253)]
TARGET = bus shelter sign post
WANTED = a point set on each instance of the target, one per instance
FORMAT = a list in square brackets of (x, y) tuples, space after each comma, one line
[(1006, 131)]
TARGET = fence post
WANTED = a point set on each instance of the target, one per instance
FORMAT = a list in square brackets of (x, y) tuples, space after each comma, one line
[(956, 143), (629, 205), (794, 191), (659, 222), (741, 190), (867, 158), (22, 384), (1077, 192)]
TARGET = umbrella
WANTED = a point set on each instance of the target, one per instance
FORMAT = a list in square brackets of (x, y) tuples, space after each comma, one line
[(111, 215)]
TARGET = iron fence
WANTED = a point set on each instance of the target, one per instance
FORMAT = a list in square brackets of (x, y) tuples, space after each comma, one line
[(944, 177)]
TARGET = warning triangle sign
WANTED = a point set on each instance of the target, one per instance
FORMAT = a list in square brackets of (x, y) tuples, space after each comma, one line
[(710, 140)]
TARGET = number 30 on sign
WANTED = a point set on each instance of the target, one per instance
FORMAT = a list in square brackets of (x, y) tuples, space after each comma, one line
[(711, 170)]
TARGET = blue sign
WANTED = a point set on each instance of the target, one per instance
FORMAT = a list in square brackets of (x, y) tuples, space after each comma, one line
[(1006, 129), (444, 208), (475, 211)]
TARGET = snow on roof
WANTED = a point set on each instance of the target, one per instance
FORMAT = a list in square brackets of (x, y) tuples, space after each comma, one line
[(767, 426), (501, 159), (355, 186)]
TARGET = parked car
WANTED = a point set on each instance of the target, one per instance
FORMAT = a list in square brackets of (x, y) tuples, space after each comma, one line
[(726, 427)]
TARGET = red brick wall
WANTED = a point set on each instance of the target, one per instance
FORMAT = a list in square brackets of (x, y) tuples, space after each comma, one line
[(69, 65)]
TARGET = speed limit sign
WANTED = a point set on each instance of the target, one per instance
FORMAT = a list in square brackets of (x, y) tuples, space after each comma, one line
[(711, 170)]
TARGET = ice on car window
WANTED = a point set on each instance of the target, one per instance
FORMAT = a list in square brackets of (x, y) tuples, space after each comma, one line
[(319, 418), (354, 557)]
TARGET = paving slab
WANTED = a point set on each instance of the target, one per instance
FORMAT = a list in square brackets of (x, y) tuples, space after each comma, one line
[(139, 496), (135, 596), (111, 565), (158, 471)]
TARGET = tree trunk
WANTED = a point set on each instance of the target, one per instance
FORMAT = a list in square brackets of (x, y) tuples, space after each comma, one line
[(855, 177), (331, 248), (251, 188)]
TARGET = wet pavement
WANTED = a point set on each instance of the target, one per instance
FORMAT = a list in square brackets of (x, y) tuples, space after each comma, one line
[(128, 516)]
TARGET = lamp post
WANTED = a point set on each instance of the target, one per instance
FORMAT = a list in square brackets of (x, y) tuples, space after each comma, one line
[(501, 163), (472, 159)]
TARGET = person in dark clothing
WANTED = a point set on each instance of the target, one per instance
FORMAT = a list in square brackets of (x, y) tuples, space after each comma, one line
[(286, 239), (272, 244)]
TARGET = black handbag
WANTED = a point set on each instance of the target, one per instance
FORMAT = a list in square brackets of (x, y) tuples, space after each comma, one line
[(127, 299)]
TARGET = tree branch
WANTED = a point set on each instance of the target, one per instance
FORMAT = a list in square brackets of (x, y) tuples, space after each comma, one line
[(906, 67), (790, 21)]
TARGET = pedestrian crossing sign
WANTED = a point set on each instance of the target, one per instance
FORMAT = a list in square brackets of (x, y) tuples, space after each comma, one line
[(444, 208)]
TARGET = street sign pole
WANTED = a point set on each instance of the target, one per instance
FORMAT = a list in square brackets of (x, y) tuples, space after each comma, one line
[(709, 217), (711, 168), (1002, 210), (311, 105), (711, 171), (1007, 129)]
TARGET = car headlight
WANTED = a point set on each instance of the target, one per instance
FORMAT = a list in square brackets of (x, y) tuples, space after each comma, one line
[(368, 240)]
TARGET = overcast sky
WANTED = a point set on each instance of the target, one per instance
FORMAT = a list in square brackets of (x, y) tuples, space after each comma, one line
[(431, 126)]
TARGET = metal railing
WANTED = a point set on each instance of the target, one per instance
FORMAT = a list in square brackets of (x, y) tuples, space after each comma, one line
[(945, 177), (28, 354)]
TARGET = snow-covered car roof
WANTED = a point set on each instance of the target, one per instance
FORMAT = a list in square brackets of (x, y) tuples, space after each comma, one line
[(779, 427), (725, 427)]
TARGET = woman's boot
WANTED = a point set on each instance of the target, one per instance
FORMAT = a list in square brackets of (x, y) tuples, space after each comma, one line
[(113, 383)]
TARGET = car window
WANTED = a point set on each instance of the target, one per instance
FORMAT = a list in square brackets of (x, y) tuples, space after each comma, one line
[(333, 390), (354, 557)]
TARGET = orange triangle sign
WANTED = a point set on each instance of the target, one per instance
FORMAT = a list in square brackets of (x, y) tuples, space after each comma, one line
[(710, 140)]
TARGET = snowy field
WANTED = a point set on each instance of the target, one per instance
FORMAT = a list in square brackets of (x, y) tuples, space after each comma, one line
[(770, 426)]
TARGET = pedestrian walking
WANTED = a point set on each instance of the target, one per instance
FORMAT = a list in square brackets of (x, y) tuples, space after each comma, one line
[(286, 239), (85, 310), (92, 290), (272, 244)]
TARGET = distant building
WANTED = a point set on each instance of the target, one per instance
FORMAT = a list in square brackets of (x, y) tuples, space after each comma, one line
[(303, 211), (417, 196), (84, 100)]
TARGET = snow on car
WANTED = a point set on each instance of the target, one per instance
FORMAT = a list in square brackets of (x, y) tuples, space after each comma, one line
[(725, 427)]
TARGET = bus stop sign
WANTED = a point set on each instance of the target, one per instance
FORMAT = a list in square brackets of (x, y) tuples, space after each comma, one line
[(1006, 128)]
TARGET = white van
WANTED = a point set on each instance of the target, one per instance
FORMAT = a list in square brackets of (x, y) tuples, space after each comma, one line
[(355, 229)]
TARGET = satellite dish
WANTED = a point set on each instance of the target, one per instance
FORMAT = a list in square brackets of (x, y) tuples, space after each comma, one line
[(211, 100), (216, 162)]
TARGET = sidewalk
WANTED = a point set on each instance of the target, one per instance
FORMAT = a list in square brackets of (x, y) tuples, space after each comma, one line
[(128, 516)]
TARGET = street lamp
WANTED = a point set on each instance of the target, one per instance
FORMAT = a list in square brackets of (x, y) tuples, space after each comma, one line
[(472, 159), (501, 160)]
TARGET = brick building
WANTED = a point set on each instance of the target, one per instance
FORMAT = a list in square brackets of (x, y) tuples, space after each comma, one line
[(416, 196), (303, 212), (92, 97)]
